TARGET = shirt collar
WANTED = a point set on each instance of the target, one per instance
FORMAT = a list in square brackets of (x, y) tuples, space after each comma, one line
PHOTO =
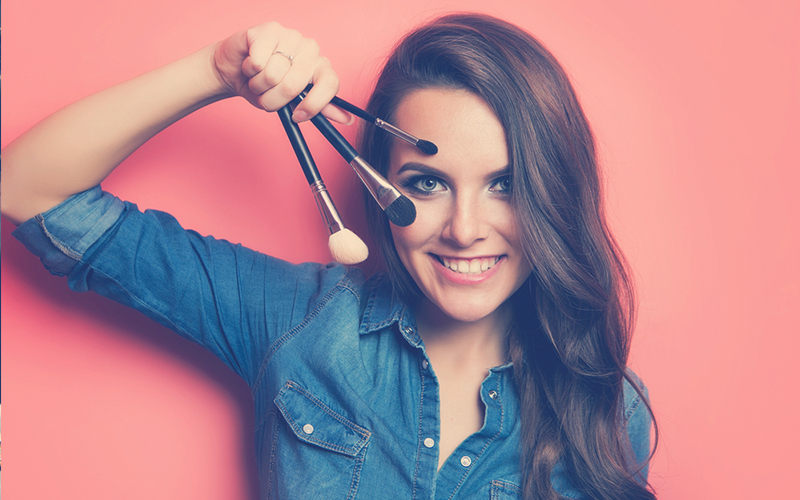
[(382, 308)]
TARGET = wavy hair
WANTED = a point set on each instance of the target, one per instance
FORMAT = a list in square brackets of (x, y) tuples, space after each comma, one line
[(573, 316)]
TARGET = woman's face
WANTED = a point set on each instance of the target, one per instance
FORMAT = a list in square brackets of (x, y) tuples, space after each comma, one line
[(462, 250)]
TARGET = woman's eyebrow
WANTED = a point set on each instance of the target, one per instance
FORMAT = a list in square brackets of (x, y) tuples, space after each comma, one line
[(500, 172), (419, 167), (427, 169)]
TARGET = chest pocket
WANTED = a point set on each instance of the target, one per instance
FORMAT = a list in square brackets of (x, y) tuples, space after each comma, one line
[(322, 454), (315, 423)]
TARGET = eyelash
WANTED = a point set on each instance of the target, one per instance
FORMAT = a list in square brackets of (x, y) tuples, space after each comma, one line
[(411, 183), (501, 179)]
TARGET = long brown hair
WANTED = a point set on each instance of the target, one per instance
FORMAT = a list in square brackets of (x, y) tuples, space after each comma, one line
[(573, 318)]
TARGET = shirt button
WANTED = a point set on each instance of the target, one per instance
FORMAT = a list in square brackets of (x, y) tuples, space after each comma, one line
[(493, 394), (408, 330), (428, 443), (424, 364), (308, 428), (466, 461)]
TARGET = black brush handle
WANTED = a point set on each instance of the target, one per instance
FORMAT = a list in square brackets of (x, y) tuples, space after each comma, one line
[(299, 145), (352, 108), (330, 133)]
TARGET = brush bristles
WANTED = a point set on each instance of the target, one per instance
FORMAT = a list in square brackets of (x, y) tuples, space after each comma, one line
[(401, 212), (427, 147), (347, 248)]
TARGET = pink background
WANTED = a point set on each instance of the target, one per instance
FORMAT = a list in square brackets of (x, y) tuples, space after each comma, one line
[(695, 105)]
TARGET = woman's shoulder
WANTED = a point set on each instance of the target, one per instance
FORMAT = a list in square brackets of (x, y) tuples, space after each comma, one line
[(631, 397), (637, 417)]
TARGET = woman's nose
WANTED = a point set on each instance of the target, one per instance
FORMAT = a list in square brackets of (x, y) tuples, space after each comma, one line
[(466, 223)]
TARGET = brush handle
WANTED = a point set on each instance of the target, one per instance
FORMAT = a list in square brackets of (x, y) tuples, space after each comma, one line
[(426, 147), (299, 145), (380, 188), (330, 216), (330, 133), (354, 109)]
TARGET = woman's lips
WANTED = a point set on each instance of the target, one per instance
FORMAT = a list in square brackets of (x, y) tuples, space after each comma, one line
[(468, 271)]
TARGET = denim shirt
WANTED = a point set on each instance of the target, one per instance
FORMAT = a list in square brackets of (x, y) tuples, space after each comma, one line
[(346, 400)]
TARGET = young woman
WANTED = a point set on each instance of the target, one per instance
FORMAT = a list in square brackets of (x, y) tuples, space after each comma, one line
[(488, 362)]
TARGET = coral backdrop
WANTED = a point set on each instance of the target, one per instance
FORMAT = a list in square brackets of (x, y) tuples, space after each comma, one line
[(695, 105)]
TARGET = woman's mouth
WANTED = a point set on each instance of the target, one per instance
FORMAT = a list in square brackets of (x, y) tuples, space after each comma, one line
[(468, 266)]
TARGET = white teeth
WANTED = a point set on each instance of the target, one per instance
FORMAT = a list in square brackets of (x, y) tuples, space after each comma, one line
[(473, 266)]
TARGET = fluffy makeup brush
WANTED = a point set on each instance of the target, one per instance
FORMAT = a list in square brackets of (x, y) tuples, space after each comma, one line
[(345, 246)]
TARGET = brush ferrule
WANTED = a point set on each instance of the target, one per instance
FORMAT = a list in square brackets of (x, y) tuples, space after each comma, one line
[(396, 131), (326, 207), (381, 189)]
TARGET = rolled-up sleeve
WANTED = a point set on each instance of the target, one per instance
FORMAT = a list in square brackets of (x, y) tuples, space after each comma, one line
[(61, 236), (230, 299)]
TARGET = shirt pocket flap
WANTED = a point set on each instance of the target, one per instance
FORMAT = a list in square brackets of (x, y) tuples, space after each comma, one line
[(314, 422), (503, 490)]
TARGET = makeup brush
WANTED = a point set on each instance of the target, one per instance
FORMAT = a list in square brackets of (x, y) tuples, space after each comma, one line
[(396, 206), (345, 246), (426, 147)]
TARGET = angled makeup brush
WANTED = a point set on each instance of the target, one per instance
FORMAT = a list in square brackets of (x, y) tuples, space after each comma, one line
[(426, 147), (345, 246), (396, 206)]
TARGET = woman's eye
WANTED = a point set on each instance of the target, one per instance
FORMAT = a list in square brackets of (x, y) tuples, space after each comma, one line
[(501, 185), (428, 185)]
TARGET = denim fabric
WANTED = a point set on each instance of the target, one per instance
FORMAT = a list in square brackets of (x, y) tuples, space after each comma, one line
[(344, 393)]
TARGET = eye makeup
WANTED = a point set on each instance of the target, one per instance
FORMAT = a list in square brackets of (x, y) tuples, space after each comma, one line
[(499, 181), (417, 184)]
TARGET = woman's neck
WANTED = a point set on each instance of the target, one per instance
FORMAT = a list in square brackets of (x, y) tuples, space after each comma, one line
[(455, 342)]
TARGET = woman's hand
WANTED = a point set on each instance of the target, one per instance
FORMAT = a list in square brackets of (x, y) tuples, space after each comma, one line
[(269, 65), (76, 147)]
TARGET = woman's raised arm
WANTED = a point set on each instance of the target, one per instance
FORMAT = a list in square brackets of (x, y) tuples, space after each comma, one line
[(77, 147)]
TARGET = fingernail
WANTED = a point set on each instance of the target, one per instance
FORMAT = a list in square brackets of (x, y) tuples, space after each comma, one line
[(299, 116)]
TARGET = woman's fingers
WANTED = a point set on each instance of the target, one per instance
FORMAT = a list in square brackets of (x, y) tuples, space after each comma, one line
[(337, 114), (289, 69), (273, 65), (326, 86)]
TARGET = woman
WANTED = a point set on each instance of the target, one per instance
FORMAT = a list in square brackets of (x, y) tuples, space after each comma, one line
[(490, 362)]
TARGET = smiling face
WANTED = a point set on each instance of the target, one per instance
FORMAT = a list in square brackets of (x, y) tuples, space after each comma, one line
[(462, 250)]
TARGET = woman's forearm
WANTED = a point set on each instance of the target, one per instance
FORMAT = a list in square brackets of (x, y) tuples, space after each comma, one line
[(80, 145), (77, 147)]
